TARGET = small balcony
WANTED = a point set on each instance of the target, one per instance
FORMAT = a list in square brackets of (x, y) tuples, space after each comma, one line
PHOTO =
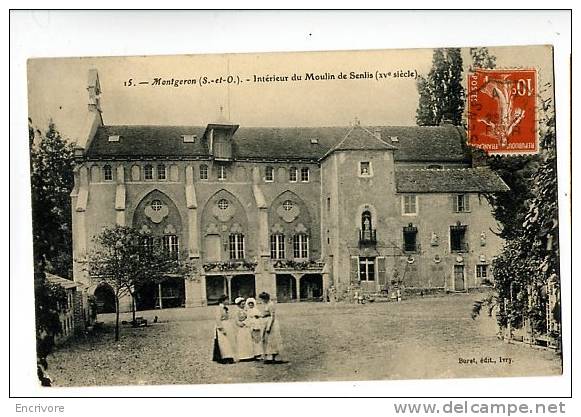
[(367, 237)]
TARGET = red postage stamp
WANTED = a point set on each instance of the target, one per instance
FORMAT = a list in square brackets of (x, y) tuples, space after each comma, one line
[(502, 111)]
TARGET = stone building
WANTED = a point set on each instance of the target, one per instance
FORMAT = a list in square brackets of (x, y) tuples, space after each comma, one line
[(75, 314), (290, 211)]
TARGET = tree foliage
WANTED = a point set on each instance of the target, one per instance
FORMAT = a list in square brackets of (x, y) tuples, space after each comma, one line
[(481, 58), (126, 259), (529, 263), (51, 164), (441, 91)]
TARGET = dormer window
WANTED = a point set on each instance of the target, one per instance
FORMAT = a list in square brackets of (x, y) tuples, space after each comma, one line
[(107, 173), (189, 138), (114, 138), (314, 141), (394, 139), (269, 174)]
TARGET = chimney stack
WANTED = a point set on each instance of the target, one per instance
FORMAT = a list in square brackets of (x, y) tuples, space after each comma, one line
[(377, 133)]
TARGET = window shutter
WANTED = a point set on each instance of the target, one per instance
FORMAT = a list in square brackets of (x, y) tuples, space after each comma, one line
[(453, 203), (354, 269), (381, 273), (467, 202)]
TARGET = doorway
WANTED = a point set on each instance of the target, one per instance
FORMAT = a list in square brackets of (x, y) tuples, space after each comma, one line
[(459, 278)]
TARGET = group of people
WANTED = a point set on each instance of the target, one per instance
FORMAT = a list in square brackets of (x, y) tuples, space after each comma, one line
[(247, 332)]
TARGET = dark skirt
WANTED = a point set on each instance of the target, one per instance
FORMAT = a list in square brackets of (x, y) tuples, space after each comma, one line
[(216, 355)]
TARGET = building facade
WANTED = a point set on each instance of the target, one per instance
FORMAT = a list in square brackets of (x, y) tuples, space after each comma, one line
[(290, 211)]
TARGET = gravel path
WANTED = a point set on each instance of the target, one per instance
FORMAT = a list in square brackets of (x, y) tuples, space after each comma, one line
[(417, 338)]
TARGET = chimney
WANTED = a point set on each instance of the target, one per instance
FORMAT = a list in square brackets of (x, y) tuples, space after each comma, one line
[(377, 133)]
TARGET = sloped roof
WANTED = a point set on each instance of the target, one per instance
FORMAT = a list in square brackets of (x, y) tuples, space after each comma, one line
[(359, 138), (63, 282), (477, 180), (414, 143)]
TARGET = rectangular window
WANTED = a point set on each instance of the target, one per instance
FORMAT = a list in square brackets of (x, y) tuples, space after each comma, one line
[(462, 204), (410, 234), (301, 246), (148, 172), (236, 242), (269, 174), (203, 172), (366, 269), (292, 174), (305, 174), (365, 169), (277, 246), (481, 271), (147, 244), (458, 239), (171, 246), (161, 173), (221, 172), (410, 204)]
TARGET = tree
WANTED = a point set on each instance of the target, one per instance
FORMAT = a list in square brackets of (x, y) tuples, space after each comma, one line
[(51, 164), (125, 259), (441, 91), (527, 271), (481, 58)]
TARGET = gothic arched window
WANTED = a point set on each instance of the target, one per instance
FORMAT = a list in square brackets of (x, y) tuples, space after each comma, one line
[(107, 173)]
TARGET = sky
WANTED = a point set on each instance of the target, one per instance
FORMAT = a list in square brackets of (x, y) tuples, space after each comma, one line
[(57, 88)]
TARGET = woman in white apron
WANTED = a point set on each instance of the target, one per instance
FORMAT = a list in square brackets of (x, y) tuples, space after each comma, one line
[(224, 336), (244, 336)]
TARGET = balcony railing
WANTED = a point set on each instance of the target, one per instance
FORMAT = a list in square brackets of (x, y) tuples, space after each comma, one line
[(367, 237), (229, 266), (291, 264)]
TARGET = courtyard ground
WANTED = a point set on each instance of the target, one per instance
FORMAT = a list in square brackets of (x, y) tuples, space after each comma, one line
[(417, 338)]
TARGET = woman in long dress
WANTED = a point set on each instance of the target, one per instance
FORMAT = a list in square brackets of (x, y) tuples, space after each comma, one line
[(244, 335), (255, 324), (223, 334), (272, 340)]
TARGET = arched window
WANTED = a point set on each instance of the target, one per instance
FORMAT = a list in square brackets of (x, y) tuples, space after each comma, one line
[(293, 174), (301, 246), (107, 173), (366, 224), (161, 172), (277, 246), (148, 172), (269, 174), (204, 172), (236, 243)]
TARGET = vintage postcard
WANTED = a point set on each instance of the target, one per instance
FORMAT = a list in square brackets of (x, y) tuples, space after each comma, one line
[(308, 216)]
